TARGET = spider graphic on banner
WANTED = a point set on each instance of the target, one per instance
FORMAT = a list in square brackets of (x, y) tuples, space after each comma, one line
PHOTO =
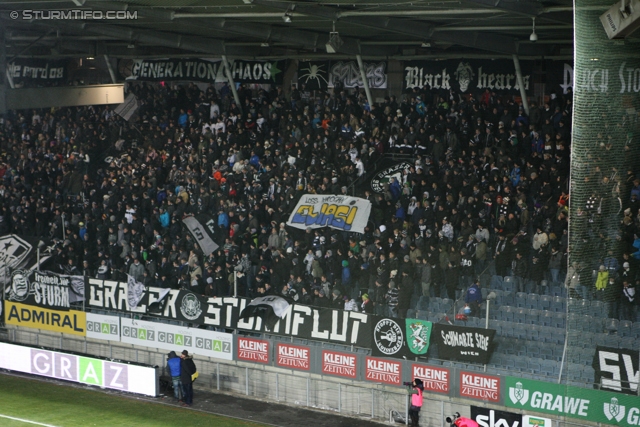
[(314, 73)]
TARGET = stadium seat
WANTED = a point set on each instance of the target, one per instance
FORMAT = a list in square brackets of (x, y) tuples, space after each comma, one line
[(520, 315), (496, 282), (635, 330), (532, 317), (544, 302), (423, 303), (509, 284), (411, 314), (534, 365), (624, 328), (521, 300), (556, 291), (598, 309), (532, 301), (521, 364), (558, 304), (546, 318), (611, 325)]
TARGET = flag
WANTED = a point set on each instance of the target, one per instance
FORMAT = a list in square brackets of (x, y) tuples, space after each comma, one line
[(135, 292), (158, 306), (270, 309), (204, 229), (127, 108)]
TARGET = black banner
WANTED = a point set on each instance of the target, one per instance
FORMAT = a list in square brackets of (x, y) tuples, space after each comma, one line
[(486, 417), (467, 75), (462, 343), (45, 289), (616, 369), (317, 75), (24, 70), (301, 321), (202, 70), (386, 170)]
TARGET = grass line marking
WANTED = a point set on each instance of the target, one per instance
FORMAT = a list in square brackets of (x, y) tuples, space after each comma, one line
[(26, 421)]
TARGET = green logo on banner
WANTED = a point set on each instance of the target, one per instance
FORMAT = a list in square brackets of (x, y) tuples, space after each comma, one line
[(613, 409), (418, 335)]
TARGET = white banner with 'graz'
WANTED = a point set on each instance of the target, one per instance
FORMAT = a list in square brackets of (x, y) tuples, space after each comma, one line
[(199, 342), (340, 212)]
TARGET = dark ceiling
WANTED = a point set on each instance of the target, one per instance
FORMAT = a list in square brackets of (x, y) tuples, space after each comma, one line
[(257, 28)]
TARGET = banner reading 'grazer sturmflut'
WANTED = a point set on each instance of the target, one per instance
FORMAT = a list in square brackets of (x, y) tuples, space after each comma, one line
[(344, 213)]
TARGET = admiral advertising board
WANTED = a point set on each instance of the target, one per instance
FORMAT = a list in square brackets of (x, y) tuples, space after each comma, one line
[(65, 321), (200, 342), (253, 350), (79, 369), (434, 378), (339, 364), (479, 386), (293, 356), (383, 371)]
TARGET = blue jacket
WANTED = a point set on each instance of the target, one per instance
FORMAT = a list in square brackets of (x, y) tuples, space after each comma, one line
[(473, 294), (174, 366)]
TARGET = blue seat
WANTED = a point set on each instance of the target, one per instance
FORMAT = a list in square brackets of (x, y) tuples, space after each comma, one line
[(532, 301), (534, 365), (556, 291), (496, 282), (522, 364), (411, 314), (520, 315), (546, 352), (598, 309), (547, 368), (624, 328), (546, 318), (533, 317), (521, 299), (558, 304), (544, 303), (611, 325)]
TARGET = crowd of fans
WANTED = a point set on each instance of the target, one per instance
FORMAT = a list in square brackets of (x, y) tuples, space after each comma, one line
[(487, 192)]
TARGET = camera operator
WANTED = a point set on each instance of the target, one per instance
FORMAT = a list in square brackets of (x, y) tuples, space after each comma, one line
[(417, 388), (459, 421)]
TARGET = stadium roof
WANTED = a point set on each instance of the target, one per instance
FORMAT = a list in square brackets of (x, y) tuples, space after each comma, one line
[(257, 28)]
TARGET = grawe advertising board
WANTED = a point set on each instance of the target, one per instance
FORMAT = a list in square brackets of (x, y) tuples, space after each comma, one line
[(79, 369), (28, 316), (434, 378), (253, 350), (196, 341), (339, 364), (293, 356), (383, 371), (575, 402), (479, 386), (103, 327)]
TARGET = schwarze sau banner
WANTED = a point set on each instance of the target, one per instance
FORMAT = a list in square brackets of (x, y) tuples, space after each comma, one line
[(462, 343), (344, 213)]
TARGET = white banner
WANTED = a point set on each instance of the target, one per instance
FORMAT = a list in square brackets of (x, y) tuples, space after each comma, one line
[(79, 369), (199, 342), (101, 327), (340, 212), (127, 108)]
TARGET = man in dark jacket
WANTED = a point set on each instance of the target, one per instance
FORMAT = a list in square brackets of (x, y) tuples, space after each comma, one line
[(187, 369), (173, 363)]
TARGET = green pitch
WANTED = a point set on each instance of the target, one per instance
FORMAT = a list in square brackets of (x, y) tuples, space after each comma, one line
[(65, 406)]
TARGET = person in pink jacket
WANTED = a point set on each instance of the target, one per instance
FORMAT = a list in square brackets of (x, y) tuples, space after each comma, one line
[(459, 421), (416, 401)]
